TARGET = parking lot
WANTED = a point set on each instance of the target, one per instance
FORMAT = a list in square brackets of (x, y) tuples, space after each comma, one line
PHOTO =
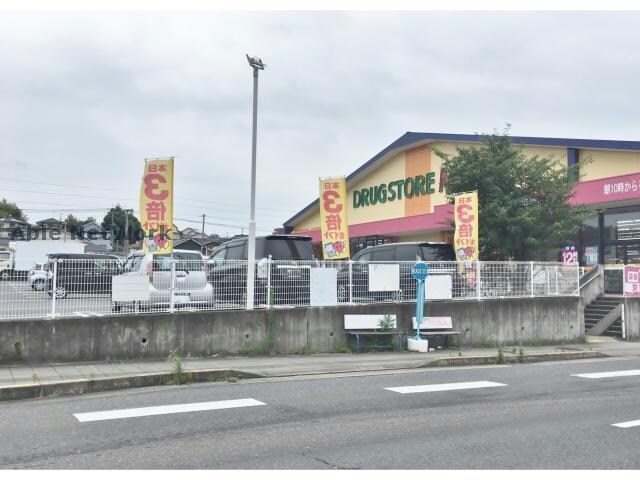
[(19, 300)]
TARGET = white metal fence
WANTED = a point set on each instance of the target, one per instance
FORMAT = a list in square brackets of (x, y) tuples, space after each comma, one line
[(102, 286)]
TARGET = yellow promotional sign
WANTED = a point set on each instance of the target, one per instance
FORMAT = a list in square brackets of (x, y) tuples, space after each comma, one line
[(465, 240), (333, 218), (156, 206)]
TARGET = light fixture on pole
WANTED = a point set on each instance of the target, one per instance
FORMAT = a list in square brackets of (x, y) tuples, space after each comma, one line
[(256, 64)]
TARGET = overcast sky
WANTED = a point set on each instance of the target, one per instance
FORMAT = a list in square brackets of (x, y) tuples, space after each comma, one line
[(86, 97)]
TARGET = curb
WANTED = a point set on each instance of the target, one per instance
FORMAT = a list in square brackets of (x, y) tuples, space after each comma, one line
[(511, 358), (78, 387)]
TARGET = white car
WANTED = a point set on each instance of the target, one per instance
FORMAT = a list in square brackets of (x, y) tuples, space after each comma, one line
[(190, 287), (38, 276)]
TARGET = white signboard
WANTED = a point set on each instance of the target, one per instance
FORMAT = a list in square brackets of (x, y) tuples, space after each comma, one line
[(324, 287), (130, 288), (438, 287), (433, 322), (366, 322), (384, 277)]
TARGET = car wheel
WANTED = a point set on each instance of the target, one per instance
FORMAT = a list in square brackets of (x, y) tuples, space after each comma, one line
[(38, 285), (60, 292), (5, 275)]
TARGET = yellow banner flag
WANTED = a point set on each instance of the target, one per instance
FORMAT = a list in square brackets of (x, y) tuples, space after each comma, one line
[(465, 240), (156, 206), (333, 218)]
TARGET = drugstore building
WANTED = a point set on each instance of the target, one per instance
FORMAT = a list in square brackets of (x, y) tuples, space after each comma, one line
[(398, 195)]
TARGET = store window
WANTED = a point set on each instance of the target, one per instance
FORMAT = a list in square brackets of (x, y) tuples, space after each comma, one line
[(360, 243), (622, 226)]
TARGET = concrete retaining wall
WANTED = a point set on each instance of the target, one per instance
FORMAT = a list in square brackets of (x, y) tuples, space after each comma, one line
[(632, 318), (488, 322)]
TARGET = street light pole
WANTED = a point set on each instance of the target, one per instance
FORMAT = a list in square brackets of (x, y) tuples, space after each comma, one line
[(256, 64)]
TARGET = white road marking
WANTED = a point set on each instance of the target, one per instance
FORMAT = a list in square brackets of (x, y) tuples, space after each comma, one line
[(166, 409), (445, 386), (621, 373), (634, 423)]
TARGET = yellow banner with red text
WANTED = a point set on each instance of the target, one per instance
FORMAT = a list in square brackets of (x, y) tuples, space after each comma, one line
[(156, 206), (334, 227), (465, 238)]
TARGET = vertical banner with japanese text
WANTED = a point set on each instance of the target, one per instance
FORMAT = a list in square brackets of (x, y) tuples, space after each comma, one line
[(465, 239), (333, 218), (156, 206)]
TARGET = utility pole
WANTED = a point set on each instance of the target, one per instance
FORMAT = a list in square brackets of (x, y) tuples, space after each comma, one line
[(203, 249), (112, 232), (126, 230)]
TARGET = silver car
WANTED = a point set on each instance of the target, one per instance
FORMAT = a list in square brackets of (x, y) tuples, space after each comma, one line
[(190, 287), (38, 276)]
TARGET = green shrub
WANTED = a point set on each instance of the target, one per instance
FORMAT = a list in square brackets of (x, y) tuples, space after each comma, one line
[(386, 323)]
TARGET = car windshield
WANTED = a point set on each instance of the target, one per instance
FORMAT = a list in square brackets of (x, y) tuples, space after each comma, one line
[(438, 252), (184, 262), (4, 255), (288, 249), (133, 263)]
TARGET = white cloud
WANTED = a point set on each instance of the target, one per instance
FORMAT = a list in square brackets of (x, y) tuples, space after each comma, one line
[(86, 96)]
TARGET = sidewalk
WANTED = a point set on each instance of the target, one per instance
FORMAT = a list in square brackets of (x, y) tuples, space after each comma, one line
[(28, 381)]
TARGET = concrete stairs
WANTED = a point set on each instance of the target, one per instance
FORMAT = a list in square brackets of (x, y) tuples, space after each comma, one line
[(597, 310)]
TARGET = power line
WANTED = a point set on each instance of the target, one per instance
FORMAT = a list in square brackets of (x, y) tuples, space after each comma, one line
[(125, 198), (125, 190)]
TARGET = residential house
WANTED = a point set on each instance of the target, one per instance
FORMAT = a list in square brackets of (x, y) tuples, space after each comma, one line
[(13, 229), (98, 239)]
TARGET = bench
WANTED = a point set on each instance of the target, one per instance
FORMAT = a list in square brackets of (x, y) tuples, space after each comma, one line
[(437, 330), (369, 325)]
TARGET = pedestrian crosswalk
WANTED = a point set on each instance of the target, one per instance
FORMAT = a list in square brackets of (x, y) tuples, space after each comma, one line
[(251, 402)]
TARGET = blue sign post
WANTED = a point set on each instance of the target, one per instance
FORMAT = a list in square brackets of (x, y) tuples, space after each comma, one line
[(420, 271)]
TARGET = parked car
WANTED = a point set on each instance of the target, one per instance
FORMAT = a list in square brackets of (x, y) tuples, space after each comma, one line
[(38, 276), (289, 280), (190, 286), (88, 273), (397, 252)]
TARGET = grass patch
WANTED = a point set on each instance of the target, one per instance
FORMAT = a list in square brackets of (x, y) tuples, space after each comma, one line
[(177, 376), (500, 356), (520, 354)]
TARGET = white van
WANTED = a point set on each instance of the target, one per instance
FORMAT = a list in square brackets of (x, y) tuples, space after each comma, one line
[(190, 287)]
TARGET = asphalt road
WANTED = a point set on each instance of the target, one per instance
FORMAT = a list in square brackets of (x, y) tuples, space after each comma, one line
[(540, 417)]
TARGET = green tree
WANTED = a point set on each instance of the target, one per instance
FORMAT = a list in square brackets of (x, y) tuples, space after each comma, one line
[(523, 201), (114, 221), (73, 225), (10, 209)]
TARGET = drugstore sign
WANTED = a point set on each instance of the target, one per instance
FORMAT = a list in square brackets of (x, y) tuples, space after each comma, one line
[(396, 190)]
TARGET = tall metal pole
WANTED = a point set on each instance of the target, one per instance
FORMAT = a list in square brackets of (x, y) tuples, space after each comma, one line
[(126, 232), (256, 64), (203, 249)]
